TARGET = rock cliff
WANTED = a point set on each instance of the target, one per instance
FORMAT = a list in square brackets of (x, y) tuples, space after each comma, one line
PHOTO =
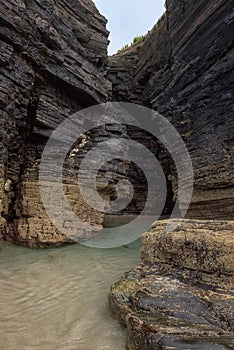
[(184, 70), (53, 62), (181, 295)]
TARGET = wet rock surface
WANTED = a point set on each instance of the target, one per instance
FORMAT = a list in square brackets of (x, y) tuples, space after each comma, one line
[(171, 301), (182, 294), (53, 63)]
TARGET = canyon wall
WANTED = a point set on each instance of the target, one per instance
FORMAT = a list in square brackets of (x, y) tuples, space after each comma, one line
[(53, 62), (181, 294), (184, 70)]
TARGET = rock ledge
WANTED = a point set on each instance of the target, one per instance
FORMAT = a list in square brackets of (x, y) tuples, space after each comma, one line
[(175, 299)]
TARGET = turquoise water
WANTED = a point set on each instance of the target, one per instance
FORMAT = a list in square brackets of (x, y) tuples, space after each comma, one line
[(57, 298)]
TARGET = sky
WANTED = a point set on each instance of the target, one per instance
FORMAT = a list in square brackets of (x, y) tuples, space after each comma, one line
[(129, 18)]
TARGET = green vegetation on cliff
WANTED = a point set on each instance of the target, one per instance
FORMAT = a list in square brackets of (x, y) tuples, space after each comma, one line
[(135, 41)]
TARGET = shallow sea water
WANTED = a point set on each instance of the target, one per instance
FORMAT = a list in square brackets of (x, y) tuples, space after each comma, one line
[(57, 298)]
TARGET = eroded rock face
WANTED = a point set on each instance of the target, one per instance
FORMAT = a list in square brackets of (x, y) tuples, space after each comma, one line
[(53, 63), (205, 246), (181, 296), (184, 70), (53, 59)]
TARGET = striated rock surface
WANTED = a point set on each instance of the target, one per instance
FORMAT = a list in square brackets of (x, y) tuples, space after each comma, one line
[(184, 70), (181, 296), (53, 59), (53, 62)]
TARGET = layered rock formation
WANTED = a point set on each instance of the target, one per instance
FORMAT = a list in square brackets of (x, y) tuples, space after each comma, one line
[(181, 295), (53, 62), (184, 70), (53, 59)]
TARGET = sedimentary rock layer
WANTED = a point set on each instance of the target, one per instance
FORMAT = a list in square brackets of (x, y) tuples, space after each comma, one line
[(184, 70), (53, 62), (181, 296), (53, 59)]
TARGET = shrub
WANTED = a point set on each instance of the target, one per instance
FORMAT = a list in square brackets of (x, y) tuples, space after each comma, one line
[(138, 39), (123, 48), (135, 41)]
